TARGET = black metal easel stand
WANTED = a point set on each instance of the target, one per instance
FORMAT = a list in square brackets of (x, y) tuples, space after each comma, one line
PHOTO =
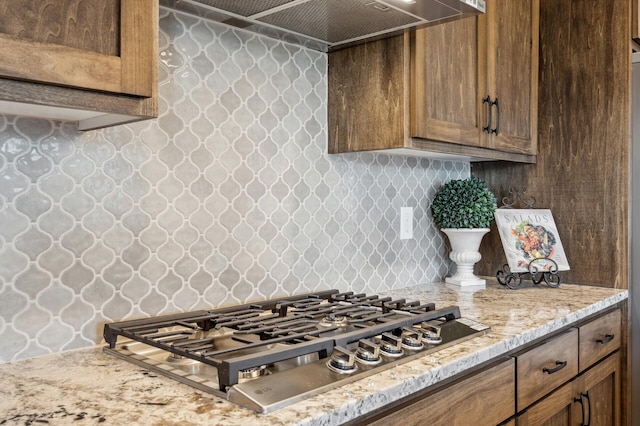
[(540, 270)]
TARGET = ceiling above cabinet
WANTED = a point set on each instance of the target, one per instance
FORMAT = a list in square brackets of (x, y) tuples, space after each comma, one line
[(328, 25)]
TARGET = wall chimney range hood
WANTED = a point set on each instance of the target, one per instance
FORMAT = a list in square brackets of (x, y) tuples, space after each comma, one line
[(328, 25)]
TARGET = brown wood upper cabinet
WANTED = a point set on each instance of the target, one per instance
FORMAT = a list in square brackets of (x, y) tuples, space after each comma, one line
[(96, 61), (475, 80), (424, 90)]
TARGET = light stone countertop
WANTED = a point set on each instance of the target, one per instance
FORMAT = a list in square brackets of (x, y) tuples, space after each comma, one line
[(86, 386)]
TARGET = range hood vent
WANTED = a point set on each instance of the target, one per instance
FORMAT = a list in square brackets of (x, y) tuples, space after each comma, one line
[(328, 25)]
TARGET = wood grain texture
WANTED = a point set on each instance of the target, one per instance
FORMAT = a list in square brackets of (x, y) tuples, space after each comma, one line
[(445, 84), (123, 109), (625, 366), (83, 24), (139, 47), (472, 151), (561, 408), (56, 64), (512, 73), (372, 92), (487, 398), (533, 382), (366, 98), (602, 383), (582, 170), (554, 410), (123, 62), (591, 350), (635, 20), (81, 55)]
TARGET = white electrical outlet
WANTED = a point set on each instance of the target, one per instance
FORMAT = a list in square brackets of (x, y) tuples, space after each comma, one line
[(406, 223)]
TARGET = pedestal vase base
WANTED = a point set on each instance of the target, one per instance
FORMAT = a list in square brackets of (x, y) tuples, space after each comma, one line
[(464, 253), (467, 282)]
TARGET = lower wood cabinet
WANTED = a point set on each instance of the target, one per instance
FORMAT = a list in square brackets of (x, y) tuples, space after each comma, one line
[(485, 398), (589, 398), (592, 398)]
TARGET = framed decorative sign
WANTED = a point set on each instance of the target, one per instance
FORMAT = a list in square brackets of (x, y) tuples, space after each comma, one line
[(528, 235)]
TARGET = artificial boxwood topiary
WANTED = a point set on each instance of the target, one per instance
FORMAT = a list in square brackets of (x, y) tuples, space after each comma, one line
[(464, 203)]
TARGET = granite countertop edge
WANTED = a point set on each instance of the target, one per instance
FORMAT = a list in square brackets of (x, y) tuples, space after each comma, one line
[(90, 387)]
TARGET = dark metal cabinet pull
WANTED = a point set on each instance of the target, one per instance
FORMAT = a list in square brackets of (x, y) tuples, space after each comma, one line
[(585, 396), (607, 339), (497, 128), (487, 100), (559, 366), (582, 407)]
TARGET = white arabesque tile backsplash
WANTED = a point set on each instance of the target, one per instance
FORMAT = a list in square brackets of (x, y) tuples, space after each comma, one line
[(229, 196)]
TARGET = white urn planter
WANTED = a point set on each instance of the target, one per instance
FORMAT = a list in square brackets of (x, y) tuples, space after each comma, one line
[(465, 245)]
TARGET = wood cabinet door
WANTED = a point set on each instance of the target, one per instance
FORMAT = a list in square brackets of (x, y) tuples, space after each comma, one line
[(557, 409), (601, 387), (366, 95), (445, 83), (512, 74), (105, 45)]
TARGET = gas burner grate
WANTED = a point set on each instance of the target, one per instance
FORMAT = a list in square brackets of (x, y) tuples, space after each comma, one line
[(247, 337)]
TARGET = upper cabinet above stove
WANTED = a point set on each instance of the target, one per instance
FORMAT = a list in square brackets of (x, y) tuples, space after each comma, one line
[(89, 61), (466, 88)]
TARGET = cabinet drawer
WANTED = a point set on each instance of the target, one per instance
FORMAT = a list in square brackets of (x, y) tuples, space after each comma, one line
[(543, 368), (598, 338), (485, 398)]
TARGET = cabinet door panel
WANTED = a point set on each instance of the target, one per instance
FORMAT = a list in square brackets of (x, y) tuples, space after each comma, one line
[(512, 72), (446, 84), (102, 46), (602, 384), (70, 23), (366, 108), (556, 409)]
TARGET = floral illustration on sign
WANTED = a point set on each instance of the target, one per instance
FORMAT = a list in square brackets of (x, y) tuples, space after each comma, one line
[(528, 235)]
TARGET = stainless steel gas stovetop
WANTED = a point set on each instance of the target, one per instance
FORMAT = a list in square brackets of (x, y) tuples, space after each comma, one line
[(266, 355)]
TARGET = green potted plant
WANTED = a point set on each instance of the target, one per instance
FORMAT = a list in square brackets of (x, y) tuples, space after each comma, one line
[(463, 209)]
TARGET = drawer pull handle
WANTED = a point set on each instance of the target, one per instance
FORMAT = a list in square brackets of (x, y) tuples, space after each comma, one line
[(559, 366), (607, 339)]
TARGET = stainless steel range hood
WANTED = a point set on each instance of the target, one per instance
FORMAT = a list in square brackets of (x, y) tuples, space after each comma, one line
[(330, 24)]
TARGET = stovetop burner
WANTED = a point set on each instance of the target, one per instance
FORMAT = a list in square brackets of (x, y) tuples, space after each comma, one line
[(266, 355), (333, 320)]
